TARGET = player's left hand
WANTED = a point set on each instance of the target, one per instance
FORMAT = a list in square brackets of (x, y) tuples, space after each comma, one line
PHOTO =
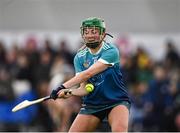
[(54, 93)]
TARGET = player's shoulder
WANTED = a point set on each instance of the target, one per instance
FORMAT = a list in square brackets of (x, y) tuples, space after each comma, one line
[(82, 52), (110, 47)]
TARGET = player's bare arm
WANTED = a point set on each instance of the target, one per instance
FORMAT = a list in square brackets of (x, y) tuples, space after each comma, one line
[(85, 75), (81, 91)]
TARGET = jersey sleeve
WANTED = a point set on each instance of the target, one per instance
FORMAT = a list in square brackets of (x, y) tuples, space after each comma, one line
[(77, 65), (110, 56)]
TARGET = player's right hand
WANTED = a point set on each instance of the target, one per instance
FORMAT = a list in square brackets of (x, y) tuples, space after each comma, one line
[(54, 93), (65, 93)]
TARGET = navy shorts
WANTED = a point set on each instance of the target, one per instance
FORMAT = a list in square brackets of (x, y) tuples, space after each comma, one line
[(102, 111)]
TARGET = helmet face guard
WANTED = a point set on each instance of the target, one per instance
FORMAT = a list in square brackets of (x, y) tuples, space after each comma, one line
[(95, 23)]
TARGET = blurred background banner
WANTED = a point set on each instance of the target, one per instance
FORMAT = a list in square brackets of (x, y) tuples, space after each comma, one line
[(39, 39)]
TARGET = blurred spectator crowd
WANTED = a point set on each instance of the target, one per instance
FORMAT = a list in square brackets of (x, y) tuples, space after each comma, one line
[(30, 73)]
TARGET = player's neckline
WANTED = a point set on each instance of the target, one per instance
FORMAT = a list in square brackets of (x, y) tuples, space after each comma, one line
[(98, 50)]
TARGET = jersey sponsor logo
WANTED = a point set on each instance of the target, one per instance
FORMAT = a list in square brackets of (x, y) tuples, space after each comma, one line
[(95, 59), (98, 83), (97, 79)]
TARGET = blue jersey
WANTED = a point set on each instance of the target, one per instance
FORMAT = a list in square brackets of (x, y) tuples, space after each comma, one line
[(108, 85)]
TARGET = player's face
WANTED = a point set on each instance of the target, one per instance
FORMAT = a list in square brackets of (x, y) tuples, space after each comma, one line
[(91, 34)]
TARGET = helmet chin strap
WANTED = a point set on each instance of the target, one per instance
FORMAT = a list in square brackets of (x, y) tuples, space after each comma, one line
[(94, 45)]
